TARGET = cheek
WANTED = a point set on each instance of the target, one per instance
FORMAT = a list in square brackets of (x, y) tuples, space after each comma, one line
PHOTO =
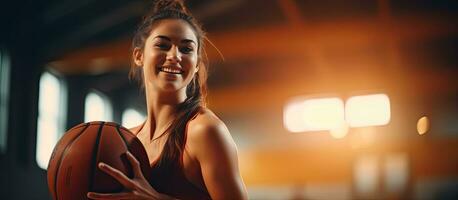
[(191, 62), (157, 57), (154, 59), (191, 68)]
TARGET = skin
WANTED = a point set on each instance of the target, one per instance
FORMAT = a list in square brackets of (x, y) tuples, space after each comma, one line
[(210, 159)]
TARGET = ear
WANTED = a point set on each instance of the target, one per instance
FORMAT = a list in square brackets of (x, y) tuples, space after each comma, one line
[(197, 68), (137, 55)]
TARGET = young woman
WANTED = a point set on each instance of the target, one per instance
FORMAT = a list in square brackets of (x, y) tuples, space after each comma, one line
[(191, 151)]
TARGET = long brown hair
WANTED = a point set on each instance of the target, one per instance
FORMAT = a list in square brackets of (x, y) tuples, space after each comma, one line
[(196, 91)]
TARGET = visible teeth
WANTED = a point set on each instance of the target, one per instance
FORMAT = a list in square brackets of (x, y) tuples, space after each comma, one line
[(170, 70)]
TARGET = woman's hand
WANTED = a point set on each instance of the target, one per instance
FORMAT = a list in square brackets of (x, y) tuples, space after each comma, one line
[(136, 188)]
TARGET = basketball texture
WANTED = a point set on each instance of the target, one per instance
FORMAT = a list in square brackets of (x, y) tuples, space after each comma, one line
[(72, 169)]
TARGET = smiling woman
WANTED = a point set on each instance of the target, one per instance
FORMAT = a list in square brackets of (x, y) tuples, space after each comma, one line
[(191, 152), (170, 51)]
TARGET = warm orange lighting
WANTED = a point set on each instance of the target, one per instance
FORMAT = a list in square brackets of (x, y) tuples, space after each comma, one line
[(339, 131), (363, 137), (314, 114), (423, 125), (368, 110)]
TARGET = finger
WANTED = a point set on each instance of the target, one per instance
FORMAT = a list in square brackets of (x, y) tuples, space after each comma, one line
[(116, 174), (123, 195), (135, 165)]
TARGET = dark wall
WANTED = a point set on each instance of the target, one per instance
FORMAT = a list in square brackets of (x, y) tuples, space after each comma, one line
[(20, 37), (23, 178)]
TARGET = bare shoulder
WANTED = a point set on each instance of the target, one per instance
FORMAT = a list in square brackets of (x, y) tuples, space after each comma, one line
[(205, 118), (206, 124), (212, 146), (208, 131)]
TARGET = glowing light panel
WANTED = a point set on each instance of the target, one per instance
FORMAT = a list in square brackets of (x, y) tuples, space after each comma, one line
[(50, 117), (97, 108), (131, 118), (314, 115), (368, 110)]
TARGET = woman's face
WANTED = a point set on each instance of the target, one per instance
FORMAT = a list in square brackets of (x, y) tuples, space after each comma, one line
[(169, 58)]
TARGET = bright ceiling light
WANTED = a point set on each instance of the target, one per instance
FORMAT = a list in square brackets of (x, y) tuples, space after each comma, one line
[(314, 114), (368, 110)]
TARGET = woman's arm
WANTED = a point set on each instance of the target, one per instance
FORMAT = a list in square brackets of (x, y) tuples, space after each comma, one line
[(216, 152)]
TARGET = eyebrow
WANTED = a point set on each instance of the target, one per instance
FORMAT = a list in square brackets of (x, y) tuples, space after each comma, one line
[(168, 39)]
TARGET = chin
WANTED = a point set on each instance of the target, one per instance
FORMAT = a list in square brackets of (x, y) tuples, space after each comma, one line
[(170, 87)]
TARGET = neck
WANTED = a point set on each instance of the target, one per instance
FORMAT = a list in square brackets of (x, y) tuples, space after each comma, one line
[(161, 109)]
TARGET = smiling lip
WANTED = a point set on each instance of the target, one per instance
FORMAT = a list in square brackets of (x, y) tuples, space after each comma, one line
[(171, 70)]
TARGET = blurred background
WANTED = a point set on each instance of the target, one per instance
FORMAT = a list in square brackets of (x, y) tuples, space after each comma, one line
[(328, 99)]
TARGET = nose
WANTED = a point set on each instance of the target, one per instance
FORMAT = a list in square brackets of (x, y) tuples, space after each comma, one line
[(174, 55)]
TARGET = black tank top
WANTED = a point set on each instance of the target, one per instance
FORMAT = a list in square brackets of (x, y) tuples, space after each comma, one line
[(172, 181)]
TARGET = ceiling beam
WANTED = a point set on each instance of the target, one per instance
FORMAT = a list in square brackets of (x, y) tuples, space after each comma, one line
[(59, 10), (291, 12), (274, 41), (82, 33), (215, 8)]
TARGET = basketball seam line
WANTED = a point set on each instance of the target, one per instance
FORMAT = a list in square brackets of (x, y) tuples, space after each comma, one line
[(95, 155), (122, 137), (78, 126), (59, 162), (111, 124)]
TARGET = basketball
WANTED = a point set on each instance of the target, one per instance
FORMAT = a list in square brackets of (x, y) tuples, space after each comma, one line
[(72, 168)]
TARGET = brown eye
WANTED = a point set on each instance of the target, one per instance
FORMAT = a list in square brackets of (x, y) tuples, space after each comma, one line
[(186, 50), (162, 46)]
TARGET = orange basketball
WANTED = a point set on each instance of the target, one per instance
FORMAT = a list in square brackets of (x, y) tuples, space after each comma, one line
[(72, 169)]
